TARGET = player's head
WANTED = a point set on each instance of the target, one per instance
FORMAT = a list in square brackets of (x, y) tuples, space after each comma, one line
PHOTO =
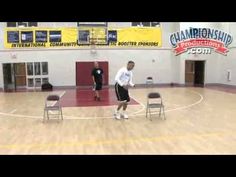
[(96, 65), (130, 65)]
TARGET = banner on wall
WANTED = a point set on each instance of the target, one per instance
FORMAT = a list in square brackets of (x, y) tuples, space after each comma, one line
[(80, 37), (200, 41), (135, 37), (40, 37)]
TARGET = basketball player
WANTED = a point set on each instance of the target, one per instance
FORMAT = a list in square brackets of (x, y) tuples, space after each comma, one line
[(123, 81), (97, 76)]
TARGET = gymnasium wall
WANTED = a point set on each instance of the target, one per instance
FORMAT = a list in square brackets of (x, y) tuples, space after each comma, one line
[(158, 63), (229, 62), (161, 63), (62, 63)]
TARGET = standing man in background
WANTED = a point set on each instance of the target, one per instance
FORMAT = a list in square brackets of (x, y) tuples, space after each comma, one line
[(97, 76), (123, 80)]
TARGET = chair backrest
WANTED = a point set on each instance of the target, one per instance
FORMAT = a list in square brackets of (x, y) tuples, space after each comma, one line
[(53, 98), (154, 95), (149, 81), (149, 78)]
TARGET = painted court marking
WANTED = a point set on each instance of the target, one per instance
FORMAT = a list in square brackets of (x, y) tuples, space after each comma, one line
[(14, 110), (137, 113), (119, 141)]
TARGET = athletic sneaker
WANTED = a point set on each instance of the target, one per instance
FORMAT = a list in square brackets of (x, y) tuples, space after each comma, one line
[(117, 115), (95, 98), (125, 116), (98, 99)]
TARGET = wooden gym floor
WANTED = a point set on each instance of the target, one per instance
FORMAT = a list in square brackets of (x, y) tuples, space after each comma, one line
[(199, 121)]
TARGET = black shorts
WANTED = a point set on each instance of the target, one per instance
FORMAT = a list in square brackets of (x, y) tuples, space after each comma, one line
[(98, 86), (121, 93)]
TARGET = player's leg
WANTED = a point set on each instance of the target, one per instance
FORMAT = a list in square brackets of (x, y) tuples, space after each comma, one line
[(99, 87), (120, 105), (125, 105), (97, 94), (119, 94), (117, 111)]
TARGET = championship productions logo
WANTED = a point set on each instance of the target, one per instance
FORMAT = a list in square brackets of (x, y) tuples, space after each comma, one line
[(200, 41)]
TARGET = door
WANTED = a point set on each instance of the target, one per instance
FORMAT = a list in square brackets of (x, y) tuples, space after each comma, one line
[(189, 72), (8, 77), (199, 73), (83, 73), (20, 75)]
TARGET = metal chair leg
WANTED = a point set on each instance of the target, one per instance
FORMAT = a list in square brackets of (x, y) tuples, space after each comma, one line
[(164, 112), (58, 117), (160, 112), (150, 115), (44, 116), (61, 114), (146, 111), (47, 115)]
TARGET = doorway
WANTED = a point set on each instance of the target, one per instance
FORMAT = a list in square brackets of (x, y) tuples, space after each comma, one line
[(14, 76), (194, 73), (20, 75), (8, 77)]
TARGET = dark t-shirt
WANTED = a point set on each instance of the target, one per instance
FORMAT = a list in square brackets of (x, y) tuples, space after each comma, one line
[(97, 73)]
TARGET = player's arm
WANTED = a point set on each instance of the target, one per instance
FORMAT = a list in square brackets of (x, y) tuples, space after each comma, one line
[(93, 76), (131, 81), (103, 77), (93, 79)]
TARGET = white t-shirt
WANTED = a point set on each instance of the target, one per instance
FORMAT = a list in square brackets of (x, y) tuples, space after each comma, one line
[(124, 77)]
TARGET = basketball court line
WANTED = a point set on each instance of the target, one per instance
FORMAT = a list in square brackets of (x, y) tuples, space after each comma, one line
[(184, 107), (216, 90), (109, 117), (14, 110), (120, 141)]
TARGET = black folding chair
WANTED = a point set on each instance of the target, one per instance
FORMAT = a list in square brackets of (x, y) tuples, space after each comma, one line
[(52, 103), (154, 100), (149, 81)]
